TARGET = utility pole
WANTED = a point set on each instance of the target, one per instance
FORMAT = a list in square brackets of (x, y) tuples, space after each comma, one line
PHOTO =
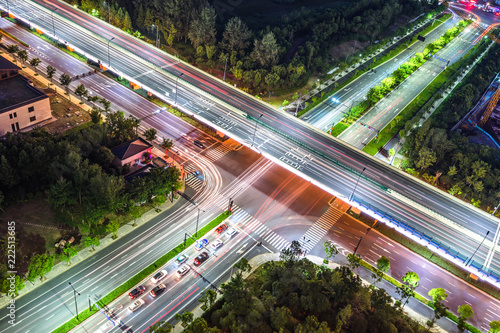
[(469, 261), (366, 233), (255, 130)]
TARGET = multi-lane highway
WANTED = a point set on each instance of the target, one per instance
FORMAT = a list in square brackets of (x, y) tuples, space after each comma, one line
[(273, 206), (303, 149)]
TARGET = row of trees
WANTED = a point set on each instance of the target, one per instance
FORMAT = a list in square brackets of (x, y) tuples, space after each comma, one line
[(450, 159), (277, 56), (295, 295)]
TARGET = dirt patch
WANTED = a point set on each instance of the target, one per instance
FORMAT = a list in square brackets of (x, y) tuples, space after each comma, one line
[(343, 50), (36, 217)]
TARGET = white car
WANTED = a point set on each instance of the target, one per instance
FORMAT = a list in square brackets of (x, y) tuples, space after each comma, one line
[(182, 271), (218, 243), (231, 232), (158, 276), (137, 304)]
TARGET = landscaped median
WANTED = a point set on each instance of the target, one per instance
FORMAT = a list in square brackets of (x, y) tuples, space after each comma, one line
[(417, 296), (135, 280), (376, 62), (406, 117), (377, 93)]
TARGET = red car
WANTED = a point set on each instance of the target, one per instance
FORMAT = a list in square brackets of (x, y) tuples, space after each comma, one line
[(220, 229), (200, 259), (136, 292)]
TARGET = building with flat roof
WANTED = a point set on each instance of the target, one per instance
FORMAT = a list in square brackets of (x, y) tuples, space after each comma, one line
[(22, 106)]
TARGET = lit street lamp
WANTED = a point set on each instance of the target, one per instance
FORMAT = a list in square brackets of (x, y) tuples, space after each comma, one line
[(155, 26), (366, 233), (74, 294), (109, 58), (197, 220), (53, 26), (355, 186), (177, 79), (255, 130), (224, 78)]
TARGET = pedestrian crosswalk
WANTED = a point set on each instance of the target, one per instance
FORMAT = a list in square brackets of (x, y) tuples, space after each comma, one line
[(258, 230), (319, 229), (217, 153), (194, 182)]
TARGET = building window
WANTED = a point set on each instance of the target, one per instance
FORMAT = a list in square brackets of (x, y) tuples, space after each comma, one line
[(15, 114), (4, 75), (31, 109), (13, 127), (10, 116), (32, 118), (17, 126)]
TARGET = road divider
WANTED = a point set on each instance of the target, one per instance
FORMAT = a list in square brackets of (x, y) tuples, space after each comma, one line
[(135, 280)]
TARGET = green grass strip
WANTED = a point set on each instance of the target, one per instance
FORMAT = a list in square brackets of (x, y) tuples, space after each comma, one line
[(14, 38), (377, 62), (135, 280)]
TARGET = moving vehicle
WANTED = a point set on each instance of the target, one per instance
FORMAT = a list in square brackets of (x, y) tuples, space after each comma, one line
[(218, 243), (220, 229), (200, 259), (199, 144), (231, 232), (201, 244), (136, 292), (136, 305), (158, 276), (183, 271), (180, 260), (157, 290)]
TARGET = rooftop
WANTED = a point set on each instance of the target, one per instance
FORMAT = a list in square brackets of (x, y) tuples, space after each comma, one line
[(16, 92), (6, 64), (128, 149)]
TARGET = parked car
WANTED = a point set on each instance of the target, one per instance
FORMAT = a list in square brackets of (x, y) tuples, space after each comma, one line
[(200, 259), (157, 290), (231, 232), (158, 276), (199, 144), (218, 243), (183, 271), (220, 229), (136, 292), (180, 260), (201, 244), (137, 304)]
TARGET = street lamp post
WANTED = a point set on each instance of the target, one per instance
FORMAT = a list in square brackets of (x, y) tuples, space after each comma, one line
[(109, 58), (74, 294), (355, 186), (177, 79), (255, 129), (197, 220), (156, 42), (224, 79), (53, 26), (366, 233), (469, 261)]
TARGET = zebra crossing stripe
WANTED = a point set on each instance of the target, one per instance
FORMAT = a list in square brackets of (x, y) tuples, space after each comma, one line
[(260, 229)]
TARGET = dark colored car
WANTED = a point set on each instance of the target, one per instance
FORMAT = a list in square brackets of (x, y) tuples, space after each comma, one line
[(200, 259), (198, 143), (157, 290), (220, 229), (136, 292)]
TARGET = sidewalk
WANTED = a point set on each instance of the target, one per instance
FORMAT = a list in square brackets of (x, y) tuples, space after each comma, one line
[(409, 309)]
